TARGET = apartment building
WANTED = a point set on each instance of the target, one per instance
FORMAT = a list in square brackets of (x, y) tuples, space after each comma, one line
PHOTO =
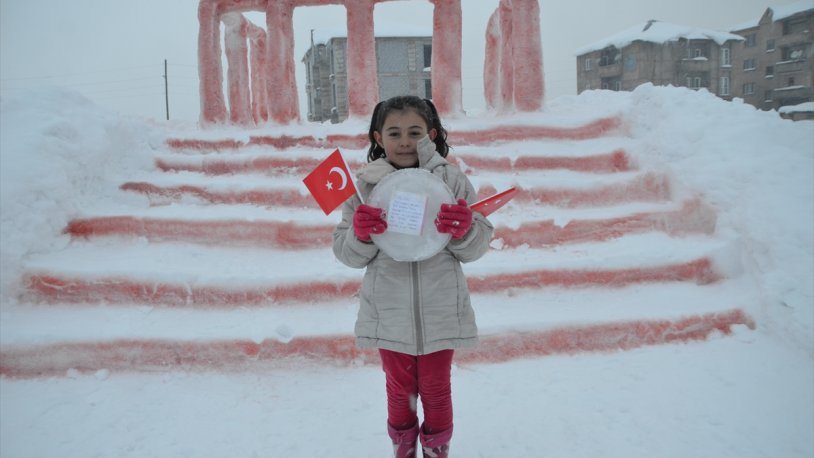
[(660, 53), (768, 62), (403, 66), (775, 62)]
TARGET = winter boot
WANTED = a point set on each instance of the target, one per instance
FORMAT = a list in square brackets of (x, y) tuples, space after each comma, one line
[(404, 441), (436, 445)]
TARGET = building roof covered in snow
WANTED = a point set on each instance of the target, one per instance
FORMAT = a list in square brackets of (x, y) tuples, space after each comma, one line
[(778, 13), (658, 32), (383, 30)]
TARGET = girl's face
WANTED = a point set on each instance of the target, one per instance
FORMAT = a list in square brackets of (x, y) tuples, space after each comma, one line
[(400, 133)]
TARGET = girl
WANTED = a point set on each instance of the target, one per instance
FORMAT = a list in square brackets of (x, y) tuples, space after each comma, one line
[(415, 313)]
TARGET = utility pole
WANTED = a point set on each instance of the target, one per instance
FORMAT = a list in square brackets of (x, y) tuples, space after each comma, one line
[(166, 90)]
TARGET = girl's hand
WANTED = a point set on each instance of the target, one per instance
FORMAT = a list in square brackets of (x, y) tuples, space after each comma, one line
[(425, 148), (455, 219), (368, 220)]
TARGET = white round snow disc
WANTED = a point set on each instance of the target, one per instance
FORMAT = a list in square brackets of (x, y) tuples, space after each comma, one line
[(411, 199)]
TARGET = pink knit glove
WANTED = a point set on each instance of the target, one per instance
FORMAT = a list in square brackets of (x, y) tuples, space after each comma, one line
[(455, 219), (368, 220)]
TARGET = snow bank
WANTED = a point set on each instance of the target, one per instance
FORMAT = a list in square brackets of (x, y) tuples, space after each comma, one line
[(758, 170), (58, 153)]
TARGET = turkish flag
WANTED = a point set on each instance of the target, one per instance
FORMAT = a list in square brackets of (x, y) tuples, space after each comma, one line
[(330, 183)]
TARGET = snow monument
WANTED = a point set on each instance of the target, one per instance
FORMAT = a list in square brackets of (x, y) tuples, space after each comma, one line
[(261, 78)]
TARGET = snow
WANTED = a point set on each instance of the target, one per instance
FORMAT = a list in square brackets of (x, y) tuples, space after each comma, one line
[(799, 108), (739, 396), (657, 32)]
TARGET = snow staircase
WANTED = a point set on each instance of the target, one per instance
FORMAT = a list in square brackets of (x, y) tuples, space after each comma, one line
[(222, 261)]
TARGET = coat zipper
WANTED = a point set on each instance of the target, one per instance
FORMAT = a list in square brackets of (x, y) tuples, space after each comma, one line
[(419, 330)]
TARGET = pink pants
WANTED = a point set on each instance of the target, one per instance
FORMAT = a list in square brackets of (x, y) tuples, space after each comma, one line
[(410, 377)]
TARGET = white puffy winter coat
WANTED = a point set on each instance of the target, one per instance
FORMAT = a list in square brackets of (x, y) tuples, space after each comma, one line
[(414, 307)]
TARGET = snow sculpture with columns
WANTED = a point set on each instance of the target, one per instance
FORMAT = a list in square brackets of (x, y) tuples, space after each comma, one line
[(261, 77)]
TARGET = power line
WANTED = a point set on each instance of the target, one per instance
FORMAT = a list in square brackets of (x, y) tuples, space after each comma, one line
[(76, 74)]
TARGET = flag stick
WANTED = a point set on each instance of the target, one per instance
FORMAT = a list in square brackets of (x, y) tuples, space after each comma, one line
[(347, 167)]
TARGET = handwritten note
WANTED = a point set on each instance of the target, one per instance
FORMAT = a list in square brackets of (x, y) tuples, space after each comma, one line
[(406, 213)]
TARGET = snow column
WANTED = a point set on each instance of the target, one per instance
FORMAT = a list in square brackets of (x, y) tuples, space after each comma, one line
[(363, 82), (213, 106), (281, 78), (506, 84), (259, 68), (491, 75), (237, 73), (527, 55), (446, 56)]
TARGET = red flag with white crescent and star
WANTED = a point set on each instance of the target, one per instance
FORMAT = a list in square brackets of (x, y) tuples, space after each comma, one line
[(330, 182)]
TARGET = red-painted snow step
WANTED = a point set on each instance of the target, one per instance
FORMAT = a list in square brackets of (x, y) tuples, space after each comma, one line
[(593, 129), (54, 288), (692, 218), (264, 197), (647, 187), (218, 232), (615, 161), (46, 360)]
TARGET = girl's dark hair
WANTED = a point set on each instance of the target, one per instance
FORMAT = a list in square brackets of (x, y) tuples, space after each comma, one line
[(423, 107)]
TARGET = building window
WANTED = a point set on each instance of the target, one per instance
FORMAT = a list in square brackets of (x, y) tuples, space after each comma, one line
[(587, 65), (770, 71), (697, 53), (694, 82), (790, 82), (427, 56), (768, 96), (724, 86), (726, 57), (748, 88), (609, 56), (428, 88), (613, 84), (748, 64), (770, 45), (751, 40), (792, 53)]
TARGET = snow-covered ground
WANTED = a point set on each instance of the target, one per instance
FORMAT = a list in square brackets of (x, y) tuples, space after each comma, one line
[(750, 394)]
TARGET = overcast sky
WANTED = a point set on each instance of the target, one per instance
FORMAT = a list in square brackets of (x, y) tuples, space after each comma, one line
[(113, 51)]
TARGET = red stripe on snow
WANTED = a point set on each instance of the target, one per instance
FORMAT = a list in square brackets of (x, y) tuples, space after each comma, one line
[(603, 337), (266, 165), (266, 198), (699, 271), (53, 288), (617, 161), (594, 129), (200, 144), (240, 355), (228, 232), (650, 187), (693, 218)]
